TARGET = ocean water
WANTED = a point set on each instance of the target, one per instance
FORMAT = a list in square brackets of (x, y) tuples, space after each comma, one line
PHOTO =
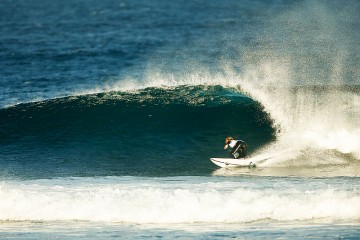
[(110, 111)]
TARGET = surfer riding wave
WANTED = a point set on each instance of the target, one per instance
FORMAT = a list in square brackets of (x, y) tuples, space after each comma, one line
[(239, 147)]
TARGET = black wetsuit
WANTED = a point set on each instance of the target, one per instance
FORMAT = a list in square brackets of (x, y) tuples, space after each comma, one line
[(239, 150)]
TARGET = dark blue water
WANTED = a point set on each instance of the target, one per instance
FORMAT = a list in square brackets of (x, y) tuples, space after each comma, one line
[(110, 107), (55, 48)]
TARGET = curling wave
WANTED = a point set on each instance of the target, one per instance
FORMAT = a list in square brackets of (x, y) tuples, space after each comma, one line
[(149, 131)]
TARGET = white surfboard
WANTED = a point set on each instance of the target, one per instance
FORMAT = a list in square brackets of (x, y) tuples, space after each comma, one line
[(231, 162)]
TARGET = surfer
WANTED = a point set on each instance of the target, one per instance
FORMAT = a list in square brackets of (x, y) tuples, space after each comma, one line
[(239, 147)]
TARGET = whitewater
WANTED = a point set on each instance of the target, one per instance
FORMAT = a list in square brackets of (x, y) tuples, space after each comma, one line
[(127, 199), (110, 112)]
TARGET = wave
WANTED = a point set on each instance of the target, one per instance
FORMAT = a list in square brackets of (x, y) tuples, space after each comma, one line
[(172, 201), (154, 130)]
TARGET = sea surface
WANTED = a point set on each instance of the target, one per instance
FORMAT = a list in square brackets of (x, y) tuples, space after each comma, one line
[(110, 111)]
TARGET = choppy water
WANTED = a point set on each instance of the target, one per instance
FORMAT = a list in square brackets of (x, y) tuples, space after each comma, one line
[(111, 110)]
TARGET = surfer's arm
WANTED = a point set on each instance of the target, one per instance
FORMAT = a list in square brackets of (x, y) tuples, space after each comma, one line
[(226, 146)]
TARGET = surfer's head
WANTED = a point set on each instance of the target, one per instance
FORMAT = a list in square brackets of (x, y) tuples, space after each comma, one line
[(228, 139)]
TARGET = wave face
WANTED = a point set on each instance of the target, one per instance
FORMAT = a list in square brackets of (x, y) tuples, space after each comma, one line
[(148, 132), (175, 130)]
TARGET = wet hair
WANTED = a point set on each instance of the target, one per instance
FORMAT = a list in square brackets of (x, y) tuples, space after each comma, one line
[(229, 138)]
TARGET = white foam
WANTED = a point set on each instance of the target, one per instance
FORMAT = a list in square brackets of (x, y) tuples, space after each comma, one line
[(163, 203)]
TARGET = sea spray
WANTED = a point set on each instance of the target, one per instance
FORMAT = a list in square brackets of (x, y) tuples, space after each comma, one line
[(312, 98)]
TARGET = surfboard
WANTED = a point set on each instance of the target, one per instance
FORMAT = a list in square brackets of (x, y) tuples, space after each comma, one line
[(250, 161), (231, 162)]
